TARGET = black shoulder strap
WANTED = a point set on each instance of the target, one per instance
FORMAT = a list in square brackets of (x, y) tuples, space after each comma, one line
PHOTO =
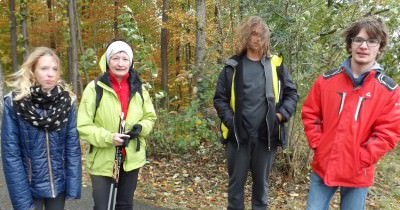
[(99, 95)]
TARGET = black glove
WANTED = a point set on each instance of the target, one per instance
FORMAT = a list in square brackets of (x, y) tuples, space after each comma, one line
[(134, 133)]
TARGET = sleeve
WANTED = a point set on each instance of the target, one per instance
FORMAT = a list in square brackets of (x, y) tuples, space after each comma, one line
[(312, 116), (222, 100), (149, 115), (13, 167), (73, 159), (385, 134), (88, 131), (289, 96)]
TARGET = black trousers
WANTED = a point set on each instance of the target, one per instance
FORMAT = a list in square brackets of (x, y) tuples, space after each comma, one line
[(255, 157), (56, 203), (126, 190)]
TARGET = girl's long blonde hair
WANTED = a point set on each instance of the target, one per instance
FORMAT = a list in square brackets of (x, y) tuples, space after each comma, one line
[(243, 32), (24, 78)]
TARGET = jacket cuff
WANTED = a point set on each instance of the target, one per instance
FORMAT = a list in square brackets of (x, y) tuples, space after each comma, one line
[(285, 115), (229, 123), (109, 139)]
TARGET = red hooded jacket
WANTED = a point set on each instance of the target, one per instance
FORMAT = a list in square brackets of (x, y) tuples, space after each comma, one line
[(350, 128)]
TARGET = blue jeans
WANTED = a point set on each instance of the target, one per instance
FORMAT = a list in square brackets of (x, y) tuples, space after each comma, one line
[(320, 196)]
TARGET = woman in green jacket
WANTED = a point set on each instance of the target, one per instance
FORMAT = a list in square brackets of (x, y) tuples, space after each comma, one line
[(118, 95)]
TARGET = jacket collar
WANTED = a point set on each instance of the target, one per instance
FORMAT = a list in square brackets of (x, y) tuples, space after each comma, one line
[(359, 80)]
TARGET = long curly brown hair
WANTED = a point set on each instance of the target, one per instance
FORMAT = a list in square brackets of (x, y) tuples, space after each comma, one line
[(243, 33)]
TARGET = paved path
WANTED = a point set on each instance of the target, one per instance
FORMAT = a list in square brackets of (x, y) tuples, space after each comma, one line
[(85, 203)]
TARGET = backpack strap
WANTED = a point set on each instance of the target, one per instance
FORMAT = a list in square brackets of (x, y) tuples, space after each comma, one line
[(99, 95)]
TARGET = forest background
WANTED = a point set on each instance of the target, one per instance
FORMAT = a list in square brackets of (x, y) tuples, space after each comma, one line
[(179, 49)]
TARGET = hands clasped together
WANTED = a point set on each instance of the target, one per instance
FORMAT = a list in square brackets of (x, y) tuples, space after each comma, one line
[(120, 139)]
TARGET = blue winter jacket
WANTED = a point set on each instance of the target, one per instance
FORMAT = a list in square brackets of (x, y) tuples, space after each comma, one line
[(38, 163)]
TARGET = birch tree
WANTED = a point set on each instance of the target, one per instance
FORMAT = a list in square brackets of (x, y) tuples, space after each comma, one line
[(200, 51)]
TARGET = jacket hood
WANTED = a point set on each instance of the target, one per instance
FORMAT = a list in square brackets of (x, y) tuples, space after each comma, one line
[(346, 66), (359, 80), (103, 63)]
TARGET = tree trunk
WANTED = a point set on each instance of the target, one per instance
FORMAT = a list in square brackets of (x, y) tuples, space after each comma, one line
[(80, 41), (220, 39), (116, 4), (73, 61), (51, 20), (244, 5), (200, 32), (330, 2), (13, 32), (232, 26), (200, 52), (78, 29), (24, 27), (164, 51), (179, 91)]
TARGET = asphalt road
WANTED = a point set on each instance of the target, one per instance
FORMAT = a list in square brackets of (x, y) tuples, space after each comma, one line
[(85, 203)]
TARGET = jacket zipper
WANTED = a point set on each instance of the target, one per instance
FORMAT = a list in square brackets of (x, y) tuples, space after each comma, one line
[(234, 131), (268, 134), (360, 101), (29, 170), (49, 164), (342, 99), (234, 127), (266, 117)]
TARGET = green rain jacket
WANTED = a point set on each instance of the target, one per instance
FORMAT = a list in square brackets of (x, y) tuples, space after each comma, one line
[(97, 127)]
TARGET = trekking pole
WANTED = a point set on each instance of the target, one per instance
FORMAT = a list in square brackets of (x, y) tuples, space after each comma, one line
[(118, 159)]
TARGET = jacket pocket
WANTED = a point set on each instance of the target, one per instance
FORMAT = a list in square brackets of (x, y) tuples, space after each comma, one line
[(361, 167), (225, 133), (91, 156), (283, 140)]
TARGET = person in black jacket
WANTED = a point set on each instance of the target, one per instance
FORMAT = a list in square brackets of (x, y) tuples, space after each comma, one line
[(254, 98)]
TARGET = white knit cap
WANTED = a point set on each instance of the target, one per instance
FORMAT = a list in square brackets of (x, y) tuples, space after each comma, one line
[(119, 46)]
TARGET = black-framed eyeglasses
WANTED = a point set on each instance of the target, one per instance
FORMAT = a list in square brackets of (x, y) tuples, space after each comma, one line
[(358, 41)]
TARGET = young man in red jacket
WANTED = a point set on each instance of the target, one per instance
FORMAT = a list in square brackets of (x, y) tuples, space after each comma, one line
[(351, 119)]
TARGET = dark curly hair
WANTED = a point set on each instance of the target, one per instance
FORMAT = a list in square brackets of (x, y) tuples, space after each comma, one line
[(375, 28)]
